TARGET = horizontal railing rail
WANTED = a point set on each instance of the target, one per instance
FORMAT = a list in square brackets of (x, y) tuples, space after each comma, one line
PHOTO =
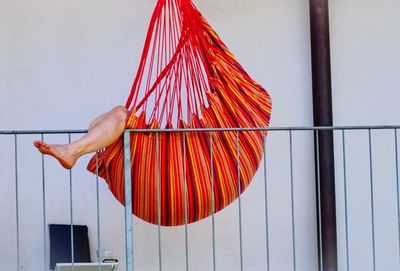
[(283, 128)]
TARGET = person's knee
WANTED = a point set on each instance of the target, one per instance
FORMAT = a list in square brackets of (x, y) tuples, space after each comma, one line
[(121, 110)]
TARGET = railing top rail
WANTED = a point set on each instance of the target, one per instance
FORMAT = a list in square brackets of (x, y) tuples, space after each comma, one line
[(38, 132), (287, 128)]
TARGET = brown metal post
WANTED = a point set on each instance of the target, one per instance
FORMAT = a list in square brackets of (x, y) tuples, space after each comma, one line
[(322, 105)]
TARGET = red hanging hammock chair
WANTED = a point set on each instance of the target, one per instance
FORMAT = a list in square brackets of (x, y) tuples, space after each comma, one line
[(187, 78)]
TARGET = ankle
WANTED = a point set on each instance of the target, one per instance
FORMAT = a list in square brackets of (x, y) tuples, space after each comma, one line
[(73, 150)]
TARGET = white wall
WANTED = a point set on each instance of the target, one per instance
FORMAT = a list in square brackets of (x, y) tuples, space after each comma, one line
[(64, 62), (365, 61)]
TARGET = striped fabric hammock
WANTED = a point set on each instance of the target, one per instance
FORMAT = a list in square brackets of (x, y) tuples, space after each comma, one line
[(187, 78)]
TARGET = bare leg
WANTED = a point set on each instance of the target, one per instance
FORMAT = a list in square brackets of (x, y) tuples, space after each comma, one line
[(103, 131)]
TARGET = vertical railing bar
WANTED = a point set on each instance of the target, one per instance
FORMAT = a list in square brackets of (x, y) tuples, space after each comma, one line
[(372, 198), (318, 192), (158, 202), (345, 199), (292, 198), (128, 203), (185, 202), (98, 211), (17, 198), (212, 201), (397, 185), (266, 201), (71, 213), (239, 201), (44, 211)]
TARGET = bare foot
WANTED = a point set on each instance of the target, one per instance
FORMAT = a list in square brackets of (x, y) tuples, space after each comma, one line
[(60, 152)]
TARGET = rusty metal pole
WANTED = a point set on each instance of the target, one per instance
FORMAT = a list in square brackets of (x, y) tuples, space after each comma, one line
[(322, 105)]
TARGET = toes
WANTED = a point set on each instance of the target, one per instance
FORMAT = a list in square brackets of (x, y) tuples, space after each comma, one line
[(42, 147), (38, 143)]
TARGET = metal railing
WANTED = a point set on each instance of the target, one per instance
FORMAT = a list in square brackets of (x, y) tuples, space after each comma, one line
[(347, 159), (45, 247)]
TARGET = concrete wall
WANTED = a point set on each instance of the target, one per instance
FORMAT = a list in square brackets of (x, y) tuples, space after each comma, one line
[(65, 62)]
